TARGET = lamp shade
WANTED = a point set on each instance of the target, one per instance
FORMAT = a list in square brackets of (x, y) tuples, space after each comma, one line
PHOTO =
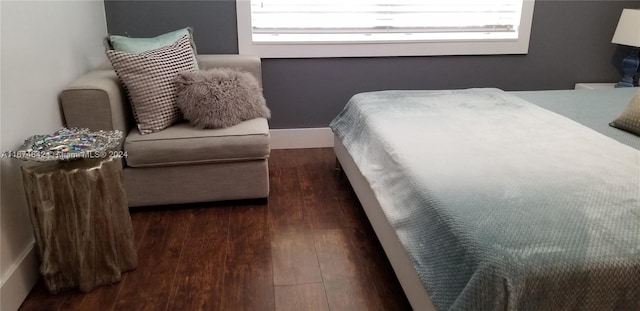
[(628, 30)]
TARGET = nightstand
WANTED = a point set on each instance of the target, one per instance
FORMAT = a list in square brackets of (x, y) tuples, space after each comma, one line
[(81, 222), (594, 86)]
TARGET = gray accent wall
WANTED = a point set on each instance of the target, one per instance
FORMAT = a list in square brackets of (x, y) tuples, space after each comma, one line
[(570, 43), (213, 21)]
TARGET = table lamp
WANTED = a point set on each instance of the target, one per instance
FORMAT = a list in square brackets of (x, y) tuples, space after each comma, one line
[(628, 33)]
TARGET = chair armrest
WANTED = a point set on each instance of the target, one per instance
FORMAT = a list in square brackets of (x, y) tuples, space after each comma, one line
[(96, 101), (251, 64)]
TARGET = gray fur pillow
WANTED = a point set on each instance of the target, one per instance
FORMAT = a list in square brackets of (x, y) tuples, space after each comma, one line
[(218, 98)]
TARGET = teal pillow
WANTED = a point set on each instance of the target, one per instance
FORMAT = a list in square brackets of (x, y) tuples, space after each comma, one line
[(141, 45)]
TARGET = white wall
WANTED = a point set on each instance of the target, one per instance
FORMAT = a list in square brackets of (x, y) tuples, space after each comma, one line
[(44, 45)]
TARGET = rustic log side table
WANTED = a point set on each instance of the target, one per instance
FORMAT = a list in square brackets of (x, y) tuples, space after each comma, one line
[(81, 222)]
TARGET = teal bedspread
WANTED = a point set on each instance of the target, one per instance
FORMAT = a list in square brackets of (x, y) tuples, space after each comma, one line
[(501, 204), (591, 108)]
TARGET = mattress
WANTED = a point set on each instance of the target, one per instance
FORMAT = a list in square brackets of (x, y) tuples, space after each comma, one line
[(501, 204)]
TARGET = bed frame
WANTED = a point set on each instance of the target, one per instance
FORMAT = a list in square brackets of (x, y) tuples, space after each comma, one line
[(397, 255)]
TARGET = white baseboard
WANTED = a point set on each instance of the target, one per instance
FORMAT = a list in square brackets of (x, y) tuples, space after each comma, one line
[(19, 280), (320, 137)]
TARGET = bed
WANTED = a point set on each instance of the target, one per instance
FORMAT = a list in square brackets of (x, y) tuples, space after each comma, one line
[(492, 200)]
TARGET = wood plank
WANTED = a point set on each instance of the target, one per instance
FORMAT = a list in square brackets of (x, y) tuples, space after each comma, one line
[(327, 159), (40, 299), (316, 157), (278, 158), (249, 234), (329, 198), (294, 258), (322, 207), (200, 277), (308, 297), (248, 279), (247, 287), (101, 298), (353, 214), (381, 276), (343, 270), (159, 256), (209, 222), (290, 158), (139, 222), (285, 201), (144, 304)]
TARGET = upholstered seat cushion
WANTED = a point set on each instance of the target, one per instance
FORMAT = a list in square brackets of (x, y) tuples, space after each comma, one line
[(182, 144)]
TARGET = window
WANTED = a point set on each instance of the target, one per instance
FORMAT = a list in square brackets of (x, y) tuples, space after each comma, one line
[(336, 28)]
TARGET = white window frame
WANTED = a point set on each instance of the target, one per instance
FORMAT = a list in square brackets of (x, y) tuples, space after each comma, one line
[(375, 49)]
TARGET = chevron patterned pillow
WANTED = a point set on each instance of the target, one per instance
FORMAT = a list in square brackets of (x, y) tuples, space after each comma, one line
[(149, 78)]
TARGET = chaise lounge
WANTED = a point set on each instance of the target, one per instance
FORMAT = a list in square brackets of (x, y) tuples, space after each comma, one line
[(181, 164)]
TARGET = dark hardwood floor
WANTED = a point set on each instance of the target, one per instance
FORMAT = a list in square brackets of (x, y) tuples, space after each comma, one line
[(310, 247)]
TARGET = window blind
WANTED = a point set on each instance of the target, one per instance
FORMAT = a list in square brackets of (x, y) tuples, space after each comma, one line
[(361, 20)]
